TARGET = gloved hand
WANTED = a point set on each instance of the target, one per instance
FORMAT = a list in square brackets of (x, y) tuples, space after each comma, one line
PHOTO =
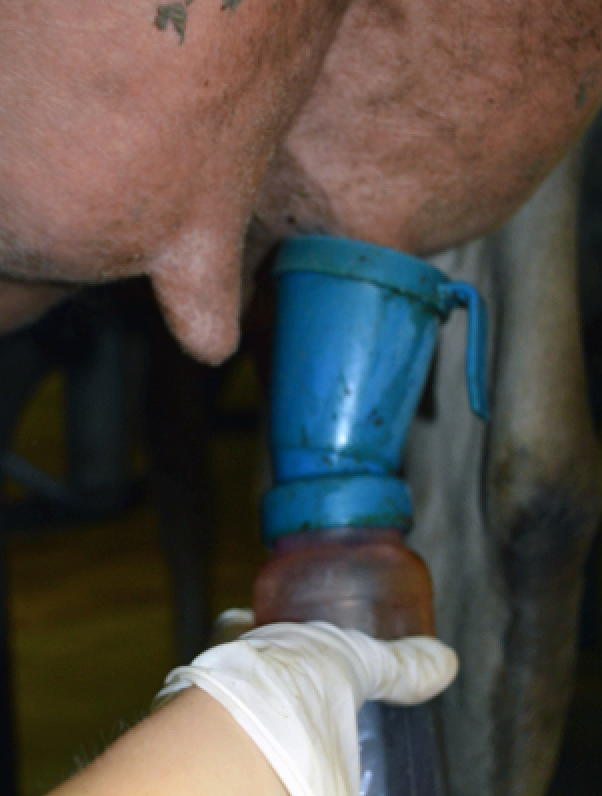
[(297, 688)]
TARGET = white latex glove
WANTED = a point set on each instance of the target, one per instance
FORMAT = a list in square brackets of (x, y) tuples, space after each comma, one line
[(297, 688)]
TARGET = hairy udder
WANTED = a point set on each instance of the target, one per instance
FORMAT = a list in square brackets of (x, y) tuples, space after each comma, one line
[(138, 137), (432, 122), (126, 148)]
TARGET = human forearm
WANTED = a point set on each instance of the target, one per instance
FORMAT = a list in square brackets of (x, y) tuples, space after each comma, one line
[(191, 746)]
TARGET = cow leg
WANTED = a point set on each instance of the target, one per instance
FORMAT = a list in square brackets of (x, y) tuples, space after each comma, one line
[(505, 513)]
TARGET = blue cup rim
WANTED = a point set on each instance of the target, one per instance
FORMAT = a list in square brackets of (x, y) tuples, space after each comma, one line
[(364, 262)]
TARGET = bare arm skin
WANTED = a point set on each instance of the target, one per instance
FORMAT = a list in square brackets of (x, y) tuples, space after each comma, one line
[(192, 746)]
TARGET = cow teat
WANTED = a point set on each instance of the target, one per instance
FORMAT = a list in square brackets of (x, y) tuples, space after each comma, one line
[(196, 279)]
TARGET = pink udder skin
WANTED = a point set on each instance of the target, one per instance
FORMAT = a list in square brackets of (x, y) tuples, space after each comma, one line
[(123, 151), (414, 124), (431, 122)]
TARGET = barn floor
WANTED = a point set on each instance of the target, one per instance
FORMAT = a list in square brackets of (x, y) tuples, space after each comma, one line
[(90, 610)]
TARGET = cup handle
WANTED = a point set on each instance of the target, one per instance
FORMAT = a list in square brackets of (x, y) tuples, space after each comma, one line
[(461, 294)]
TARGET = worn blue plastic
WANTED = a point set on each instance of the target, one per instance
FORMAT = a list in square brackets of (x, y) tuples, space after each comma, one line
[(336, 501), (355, 333), (461, 294)]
